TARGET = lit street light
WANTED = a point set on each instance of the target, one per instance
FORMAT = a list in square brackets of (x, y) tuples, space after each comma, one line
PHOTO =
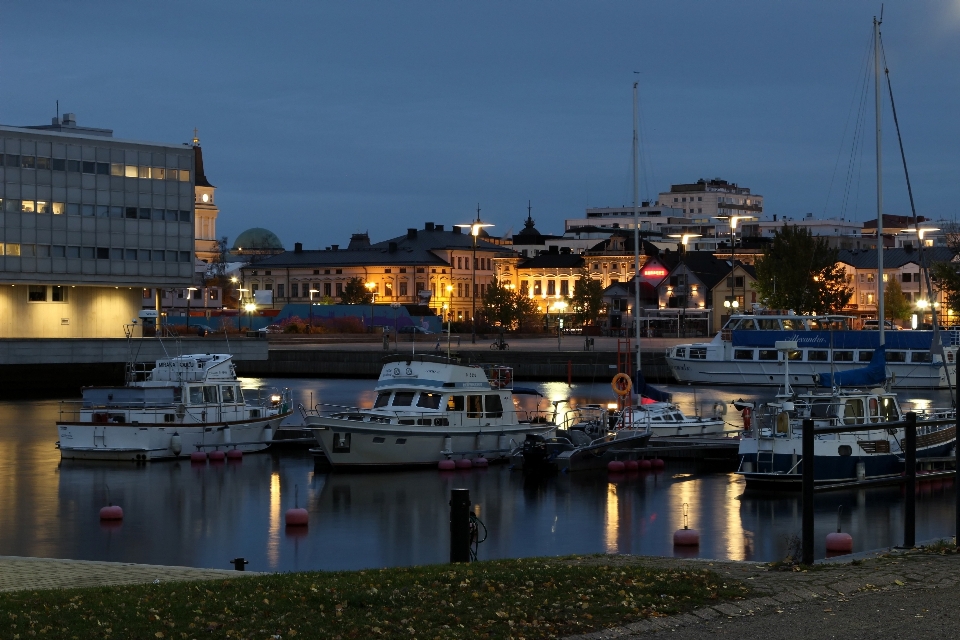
[(311, 292), (190, 291), (475, 228)]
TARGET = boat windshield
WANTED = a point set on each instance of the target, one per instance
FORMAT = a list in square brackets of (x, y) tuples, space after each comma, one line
[(823, 409), (792, 324), (745, 324), (383, 399)]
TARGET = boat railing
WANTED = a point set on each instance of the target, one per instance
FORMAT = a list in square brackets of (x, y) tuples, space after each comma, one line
[(421, 418), (269, 397)]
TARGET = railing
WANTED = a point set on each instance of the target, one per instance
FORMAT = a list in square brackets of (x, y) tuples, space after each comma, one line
[(423, 418)]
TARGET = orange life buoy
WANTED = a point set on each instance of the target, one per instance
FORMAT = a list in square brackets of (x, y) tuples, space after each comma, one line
[(746, 414), (622, 384)]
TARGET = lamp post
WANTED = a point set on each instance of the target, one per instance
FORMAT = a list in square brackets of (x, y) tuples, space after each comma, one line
[(396, 330), (371, 287), (311, 292), (475, 228), (250, 307), (685, 238), (190, 291), (559, 306), (240, 307), (733, 241)]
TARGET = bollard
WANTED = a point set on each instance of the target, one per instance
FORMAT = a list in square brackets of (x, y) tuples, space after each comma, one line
[(910, 467), (459, 525), (806, 528), (238, 564)]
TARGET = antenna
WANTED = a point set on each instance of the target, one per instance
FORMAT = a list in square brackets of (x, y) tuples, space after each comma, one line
[(58, 111), (881, 14)]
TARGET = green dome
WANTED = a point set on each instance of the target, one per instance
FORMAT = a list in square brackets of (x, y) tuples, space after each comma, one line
[(257, 238)]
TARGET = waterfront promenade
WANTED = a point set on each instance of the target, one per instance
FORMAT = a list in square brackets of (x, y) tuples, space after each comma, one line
[(427, 343)]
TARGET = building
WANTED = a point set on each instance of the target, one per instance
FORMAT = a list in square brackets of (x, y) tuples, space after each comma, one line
[(712, 198), (205, 211), (737, 287), (434, 265), (89, 221)]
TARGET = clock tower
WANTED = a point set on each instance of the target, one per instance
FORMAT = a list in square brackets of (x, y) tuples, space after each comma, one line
[(205, 208)]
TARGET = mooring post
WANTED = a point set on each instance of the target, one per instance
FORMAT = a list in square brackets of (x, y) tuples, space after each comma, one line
[(956, 467), (910, 467), (460, 525), (806, 530)]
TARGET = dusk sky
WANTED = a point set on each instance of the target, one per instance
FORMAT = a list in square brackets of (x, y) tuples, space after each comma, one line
[(318, 120)]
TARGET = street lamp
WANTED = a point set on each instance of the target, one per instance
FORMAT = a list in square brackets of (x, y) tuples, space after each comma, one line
[(240, 306), (559, 306), (250, 307), (371, 287), (311, 292), (190, 291), (733, 241), (396, 330), (475, 228)]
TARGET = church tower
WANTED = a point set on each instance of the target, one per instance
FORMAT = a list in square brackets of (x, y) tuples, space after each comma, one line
[(205, 208)]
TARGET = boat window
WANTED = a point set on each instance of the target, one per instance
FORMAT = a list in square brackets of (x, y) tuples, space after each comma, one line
[(768, 354), (748, 324), (874, 407), (227, 394), (383, 399), (865, 356), (178, 395), (888, 409), (792, 325), (403, 398), (494, 408), (921, 356), (796, 354), (429, 400), (817, 356), (474, 406), (196, 395), (743, 354), (455, 403), (677, 417), (239, 394), (209, 394), (767, 324), (853, 411), (823, 409), (681, 352), (814, 324), (698, 353), (896, 356), (843, 356)]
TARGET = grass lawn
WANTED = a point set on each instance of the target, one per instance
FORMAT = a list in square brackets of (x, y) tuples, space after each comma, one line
[(525, 598)]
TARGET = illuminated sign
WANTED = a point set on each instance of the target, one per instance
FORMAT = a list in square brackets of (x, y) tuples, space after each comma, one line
[(654, 272)]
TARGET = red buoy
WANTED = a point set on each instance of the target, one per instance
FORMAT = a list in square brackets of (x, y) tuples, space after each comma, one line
[(657, 463), (234, 454), (644, 465), (839, 542), (632, 465), (112, 512), (463, 463), (296, 517), (446, 465), (480, 462), (217, 456), (686, 538), (198, 456), (616, 466)]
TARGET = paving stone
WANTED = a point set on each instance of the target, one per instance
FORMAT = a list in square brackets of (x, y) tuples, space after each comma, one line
[(685, 619), (706, 613), (786, 597), (729, 609)]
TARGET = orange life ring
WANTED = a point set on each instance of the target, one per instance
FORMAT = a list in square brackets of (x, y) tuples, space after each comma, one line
[(622, 384), (746, 414)]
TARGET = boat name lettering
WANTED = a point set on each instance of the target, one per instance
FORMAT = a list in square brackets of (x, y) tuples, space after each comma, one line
[(186, 365)]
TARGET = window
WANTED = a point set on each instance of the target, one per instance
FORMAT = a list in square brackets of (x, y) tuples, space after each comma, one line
[(103, 253), (196, 395), (326, 289), (403, 289), (455, 403), (494, 408), (843, 356), (59, 164), (896, 356), (294, 290), (537, 290), (28, 206), (339, 288), (214, 294), (818, 356), (28, 162), (36, 293), (388, 289), (12, 249), (89, 167), (743, 354), (429, 400), (280, 290), (921, 356), (227, 394), (131, 212), (403, 398), (210, 394), (144, 213), (697, 353), (474, 406), (551, 287), (564, 288), (767, 354), (419, 287), (906, 277), (383, 399), (865, 356)]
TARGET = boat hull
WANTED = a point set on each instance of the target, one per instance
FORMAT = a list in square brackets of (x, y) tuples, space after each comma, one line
[(131, 442)]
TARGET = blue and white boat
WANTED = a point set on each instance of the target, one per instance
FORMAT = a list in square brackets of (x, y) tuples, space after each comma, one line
[(744, 352)]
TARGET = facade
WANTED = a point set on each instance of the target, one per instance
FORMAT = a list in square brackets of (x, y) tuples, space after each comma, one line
[(432, 265), (738, 285), (206, 211), (712, 198), (89, 221)]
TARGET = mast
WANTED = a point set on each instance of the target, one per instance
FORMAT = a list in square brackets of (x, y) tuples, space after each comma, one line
[(636, 222), (879, 114)]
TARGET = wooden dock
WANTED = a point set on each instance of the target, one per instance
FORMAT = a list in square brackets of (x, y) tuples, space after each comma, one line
[(715, 453)]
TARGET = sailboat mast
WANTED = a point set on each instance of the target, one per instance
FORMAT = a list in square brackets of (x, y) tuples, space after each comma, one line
[(879, 114), (636, 221)]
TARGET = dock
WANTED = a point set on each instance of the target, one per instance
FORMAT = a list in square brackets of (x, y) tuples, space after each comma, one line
[(715, 453)]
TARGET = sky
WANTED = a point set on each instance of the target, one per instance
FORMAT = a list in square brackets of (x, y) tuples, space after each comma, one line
[(323, 119)]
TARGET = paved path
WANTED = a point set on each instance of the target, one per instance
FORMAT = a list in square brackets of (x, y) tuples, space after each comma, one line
[(18, 574), (897, 595), (428, 342)]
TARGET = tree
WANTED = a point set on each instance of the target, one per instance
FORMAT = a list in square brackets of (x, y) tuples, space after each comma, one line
[(947, 281), (800, 271), (587, 299), (355, 293), (895, 304), (508, 308)]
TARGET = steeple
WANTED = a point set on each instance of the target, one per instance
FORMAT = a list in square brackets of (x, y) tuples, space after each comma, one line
[(529, 223), (196, 137)]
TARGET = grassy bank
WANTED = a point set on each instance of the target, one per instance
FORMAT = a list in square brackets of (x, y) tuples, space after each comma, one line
[(526, 598)]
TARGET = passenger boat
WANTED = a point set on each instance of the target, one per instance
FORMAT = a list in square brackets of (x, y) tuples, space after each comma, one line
[(744, 353), (428, 409), (665, 419), (171, 409)]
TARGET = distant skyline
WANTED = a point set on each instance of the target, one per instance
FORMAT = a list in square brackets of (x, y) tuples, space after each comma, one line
[(319, 120)]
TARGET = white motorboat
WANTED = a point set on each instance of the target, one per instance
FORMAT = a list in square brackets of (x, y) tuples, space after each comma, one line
[(176, 407), (428, 409), (665, 419)]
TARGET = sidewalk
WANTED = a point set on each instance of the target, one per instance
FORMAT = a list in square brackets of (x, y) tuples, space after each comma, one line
[(427, 343), (901, 594), (17, 574)]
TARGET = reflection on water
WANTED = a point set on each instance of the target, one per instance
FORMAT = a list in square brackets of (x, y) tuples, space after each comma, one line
[(176, 513)]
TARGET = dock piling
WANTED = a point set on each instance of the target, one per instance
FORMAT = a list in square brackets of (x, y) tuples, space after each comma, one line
[(459, 525), (806, 529), (910, 468)]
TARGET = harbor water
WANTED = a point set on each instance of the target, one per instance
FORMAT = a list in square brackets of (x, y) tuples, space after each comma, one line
[(203, 516)]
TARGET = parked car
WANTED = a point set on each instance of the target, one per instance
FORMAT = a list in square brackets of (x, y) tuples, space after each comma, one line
[(272, 328), (874, 325), (203, 329)]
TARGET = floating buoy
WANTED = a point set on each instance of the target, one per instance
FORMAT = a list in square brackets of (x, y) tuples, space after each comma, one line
[(217, 456), (632, 465), (615, 466), (686, 537), (234, 454), (446, 465), (198, 456), (839, 542), (463, 463), (644, 465), (480, 462), (111, 512), (657, 463), (296, 517)]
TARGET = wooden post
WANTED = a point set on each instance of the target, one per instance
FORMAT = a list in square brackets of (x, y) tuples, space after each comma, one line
[(910, 467), (459, 525), (806, 528)]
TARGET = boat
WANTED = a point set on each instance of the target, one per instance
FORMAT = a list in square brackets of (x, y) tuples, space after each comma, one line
[(428, 409), (744, 352), (170, 409), (666, 419)]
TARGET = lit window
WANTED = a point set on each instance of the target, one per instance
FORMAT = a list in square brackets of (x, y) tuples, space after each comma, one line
[(12, 249), (57, 208), (130, 171), (28, 206), (143, 172), (116, 169)]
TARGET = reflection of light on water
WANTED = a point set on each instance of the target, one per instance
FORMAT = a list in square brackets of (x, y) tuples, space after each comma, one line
[(612, 524), (273, 537), (739, 541), (917, 404)]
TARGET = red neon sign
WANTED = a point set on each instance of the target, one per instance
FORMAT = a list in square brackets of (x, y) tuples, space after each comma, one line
[(654, 273)]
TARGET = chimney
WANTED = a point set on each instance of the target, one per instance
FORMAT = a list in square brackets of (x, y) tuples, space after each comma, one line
[(392, 247), (428, 226), (456, 229), (334, 247), (774, 217), (411, 234), (55, 121), (69, 120), (438, 227), (298, 247), (553, 248)]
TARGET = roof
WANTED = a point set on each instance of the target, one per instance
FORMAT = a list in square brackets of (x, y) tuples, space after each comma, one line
[(432, 238), (553, 261), (708, 268), (257, 238), (201, 178), (893, 258)]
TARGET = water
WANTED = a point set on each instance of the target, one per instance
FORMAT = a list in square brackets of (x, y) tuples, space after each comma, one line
[(204, 516)]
